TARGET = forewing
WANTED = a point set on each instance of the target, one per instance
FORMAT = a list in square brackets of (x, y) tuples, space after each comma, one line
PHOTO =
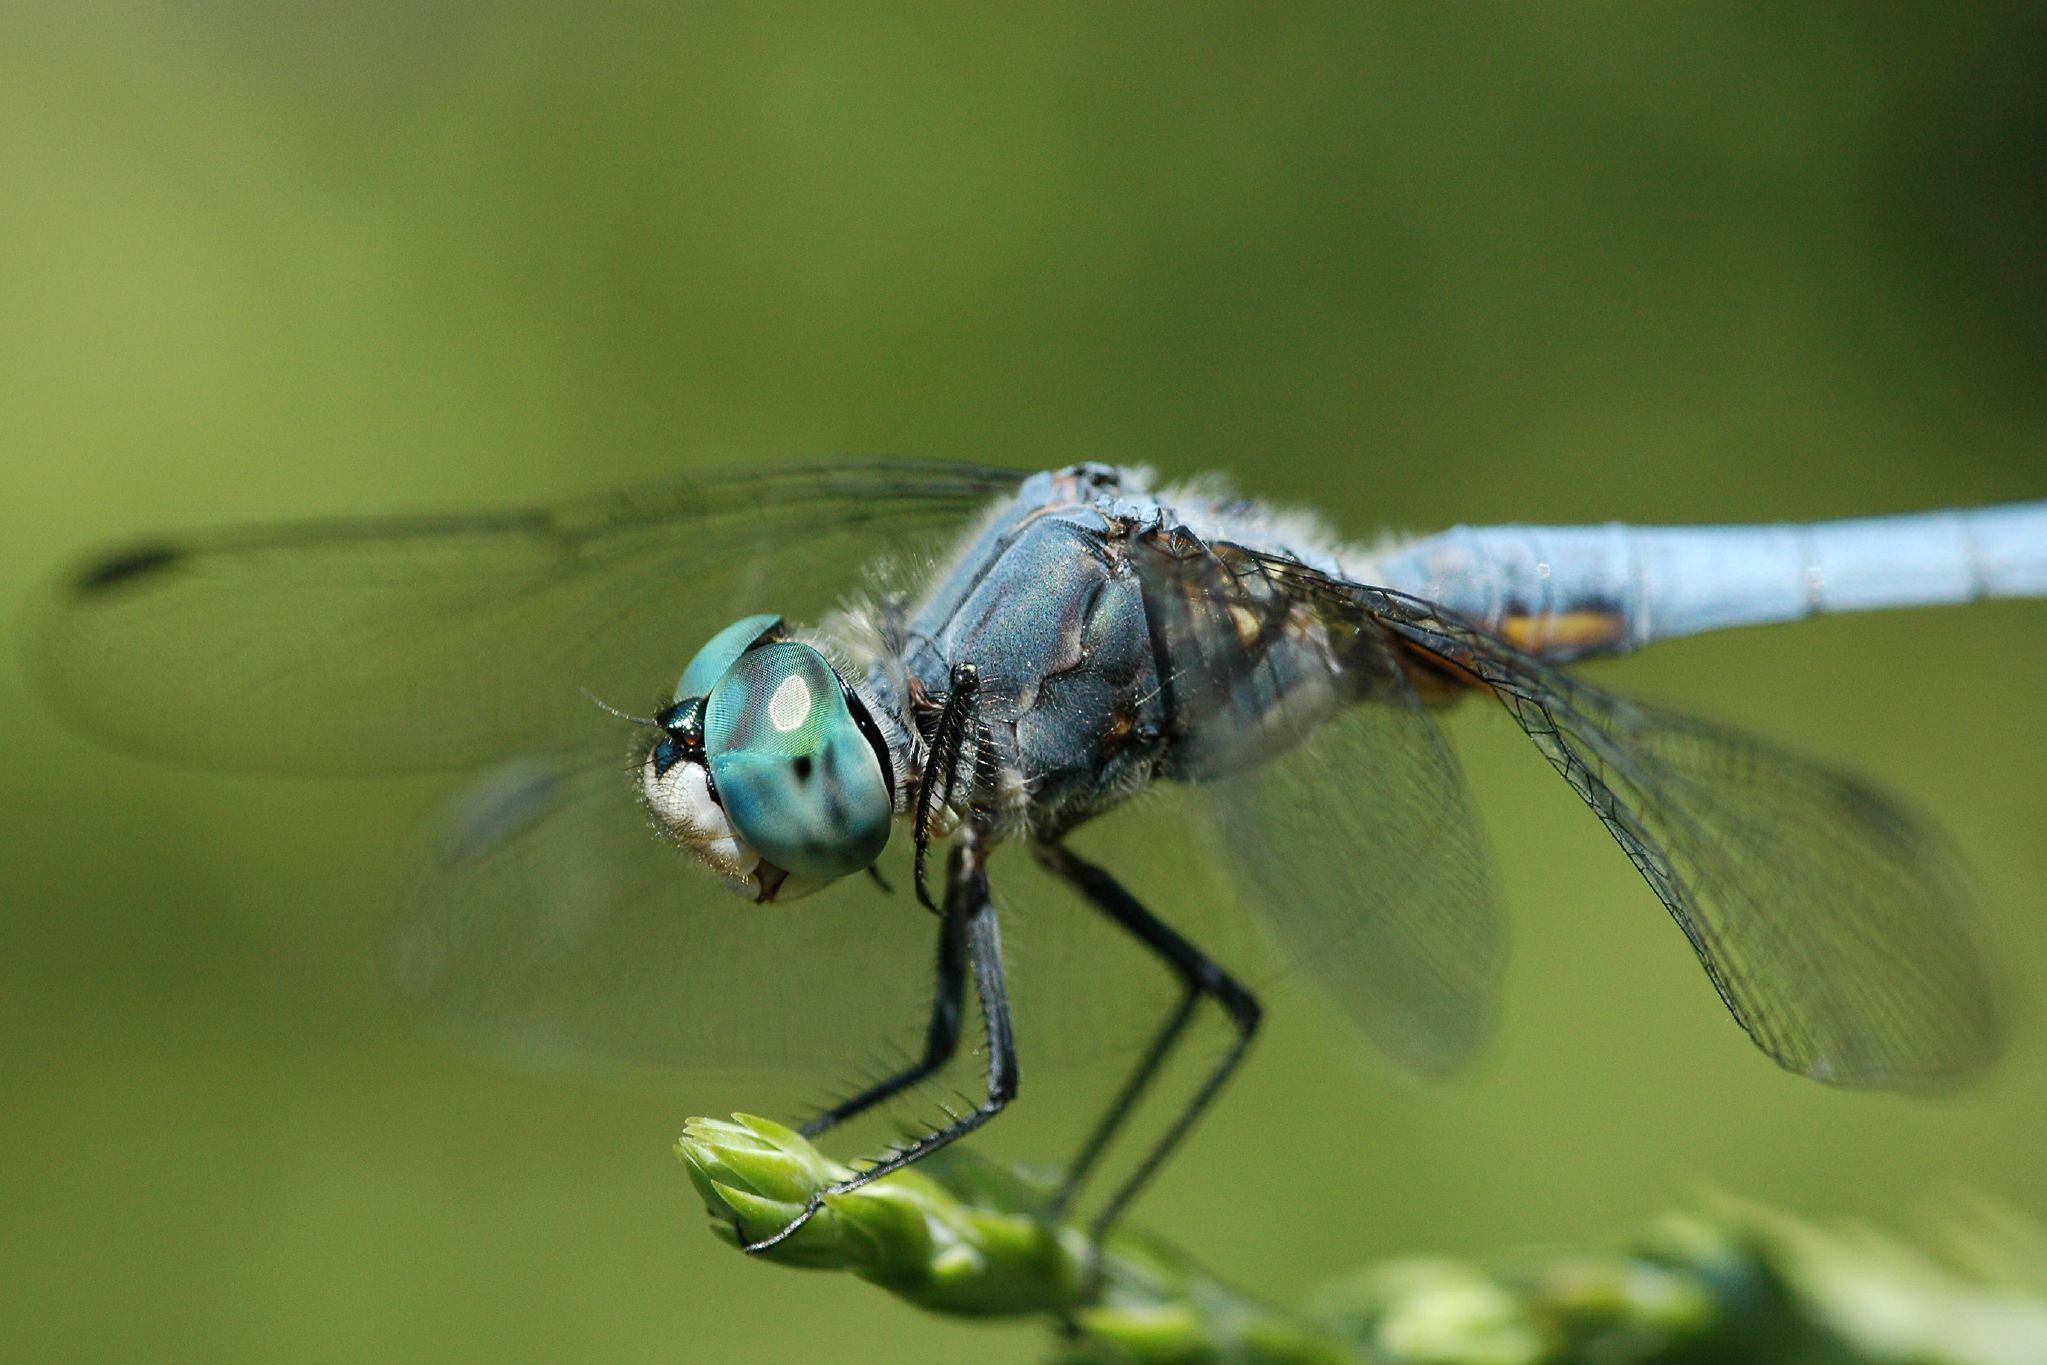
[(550, 926), (553, 926), (1837, 926), (409, 644)]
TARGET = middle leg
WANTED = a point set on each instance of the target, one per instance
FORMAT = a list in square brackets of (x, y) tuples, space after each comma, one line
[(1199, 977)]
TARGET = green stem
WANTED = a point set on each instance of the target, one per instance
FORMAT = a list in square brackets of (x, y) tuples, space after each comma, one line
[(959, 1236)]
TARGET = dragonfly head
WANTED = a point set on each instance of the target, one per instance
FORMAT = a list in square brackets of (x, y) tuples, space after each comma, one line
[(769, 767)]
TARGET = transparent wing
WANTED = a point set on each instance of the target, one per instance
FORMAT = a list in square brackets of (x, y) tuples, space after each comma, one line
[(1335, 798), (1360, 845), (409, 644), (1837, 927), (553, 926)]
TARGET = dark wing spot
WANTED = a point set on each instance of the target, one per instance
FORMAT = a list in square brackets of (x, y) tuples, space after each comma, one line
[(803, 767), (126, 567)]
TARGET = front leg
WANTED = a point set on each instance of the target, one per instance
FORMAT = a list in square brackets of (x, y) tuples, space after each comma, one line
[(941, 1035), (941, 1038), (967, 905), (941, 764)]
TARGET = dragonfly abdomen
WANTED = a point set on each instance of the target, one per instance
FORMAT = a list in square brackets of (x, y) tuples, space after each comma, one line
[(1571, 591)]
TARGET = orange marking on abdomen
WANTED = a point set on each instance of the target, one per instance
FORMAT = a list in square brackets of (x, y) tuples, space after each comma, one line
[(1569, 633)]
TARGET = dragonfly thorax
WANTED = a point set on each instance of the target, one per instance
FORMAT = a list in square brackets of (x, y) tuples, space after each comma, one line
[(769, 767)]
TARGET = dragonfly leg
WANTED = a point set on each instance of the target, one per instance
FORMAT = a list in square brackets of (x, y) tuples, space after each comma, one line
[(967, 901), (941, 1038), (941, 765), (1199, 977)]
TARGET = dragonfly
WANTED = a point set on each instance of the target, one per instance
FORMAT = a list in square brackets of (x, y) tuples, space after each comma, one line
[(893, 654)]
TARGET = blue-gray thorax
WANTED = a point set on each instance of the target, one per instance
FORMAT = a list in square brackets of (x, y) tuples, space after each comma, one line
[(1057, 603)]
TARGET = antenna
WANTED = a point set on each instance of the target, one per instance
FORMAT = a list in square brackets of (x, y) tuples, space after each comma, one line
[(607, 707)]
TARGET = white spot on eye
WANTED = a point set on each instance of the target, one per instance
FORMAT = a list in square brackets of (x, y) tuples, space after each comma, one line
[(790, 706)]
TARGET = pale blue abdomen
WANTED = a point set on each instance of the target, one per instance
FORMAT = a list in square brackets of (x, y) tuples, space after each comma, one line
[(1545, 586)]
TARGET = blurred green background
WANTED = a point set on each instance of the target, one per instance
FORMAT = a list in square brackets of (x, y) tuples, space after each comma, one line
[(1412, 264)]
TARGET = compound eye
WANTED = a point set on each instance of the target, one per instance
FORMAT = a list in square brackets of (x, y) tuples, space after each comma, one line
[(799, 778), (720, 651)]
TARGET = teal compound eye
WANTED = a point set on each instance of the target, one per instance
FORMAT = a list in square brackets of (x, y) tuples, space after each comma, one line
[(721, 651), (802, 779)]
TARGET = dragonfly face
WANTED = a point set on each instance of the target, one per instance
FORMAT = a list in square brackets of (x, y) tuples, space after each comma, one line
[(769, 766)]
